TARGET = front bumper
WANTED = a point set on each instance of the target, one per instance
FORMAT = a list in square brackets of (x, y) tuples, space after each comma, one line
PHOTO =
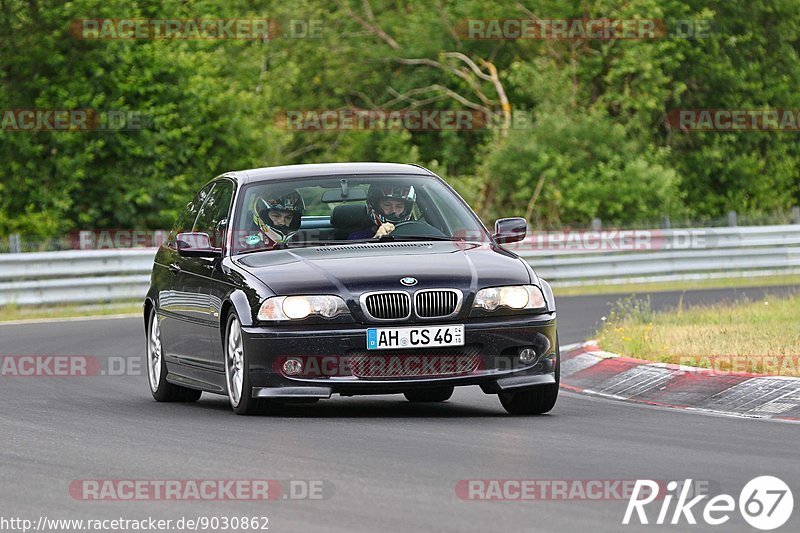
[(495, 342)]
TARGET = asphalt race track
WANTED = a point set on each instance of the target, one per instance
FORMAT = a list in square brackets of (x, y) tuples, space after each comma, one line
[(386, 464)]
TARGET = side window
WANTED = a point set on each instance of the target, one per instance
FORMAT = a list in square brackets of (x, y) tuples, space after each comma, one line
[(213, 217), (187, 218)]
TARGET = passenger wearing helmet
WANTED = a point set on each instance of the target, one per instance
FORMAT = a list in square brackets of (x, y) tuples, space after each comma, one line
[(276, 217), (387, 205)]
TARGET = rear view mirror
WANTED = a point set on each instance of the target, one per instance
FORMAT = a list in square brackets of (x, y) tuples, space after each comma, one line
[(335, 195), (196, 245), (510, 230)]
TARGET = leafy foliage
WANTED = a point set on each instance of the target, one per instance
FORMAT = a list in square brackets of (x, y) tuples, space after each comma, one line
[(588, 137)]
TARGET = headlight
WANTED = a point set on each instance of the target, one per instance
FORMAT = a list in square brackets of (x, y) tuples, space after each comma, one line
[(299, 307), (512, 297)]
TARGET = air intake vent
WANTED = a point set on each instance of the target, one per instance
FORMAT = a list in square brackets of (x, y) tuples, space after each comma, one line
[(437, 303), (420, 363), (372, 246), (387, 305)]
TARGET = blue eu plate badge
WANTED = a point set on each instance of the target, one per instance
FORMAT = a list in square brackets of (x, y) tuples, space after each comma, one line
[(372, 338)]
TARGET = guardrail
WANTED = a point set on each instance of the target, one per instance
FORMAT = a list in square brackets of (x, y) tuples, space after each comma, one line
[(75, 276), (563, 258), (612, 257)]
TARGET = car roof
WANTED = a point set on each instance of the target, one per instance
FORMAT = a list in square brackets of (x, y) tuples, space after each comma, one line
[(326, 169)]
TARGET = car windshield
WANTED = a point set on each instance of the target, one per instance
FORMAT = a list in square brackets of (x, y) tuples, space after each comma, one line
[(345, 210)]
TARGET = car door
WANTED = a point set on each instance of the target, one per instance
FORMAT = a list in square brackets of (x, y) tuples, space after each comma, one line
[(199, 282), (220, 281), (175, 303)]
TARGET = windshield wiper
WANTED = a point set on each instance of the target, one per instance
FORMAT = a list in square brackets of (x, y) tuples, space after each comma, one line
[(276, 246), (384, 238), (300, 244), (395, 238)]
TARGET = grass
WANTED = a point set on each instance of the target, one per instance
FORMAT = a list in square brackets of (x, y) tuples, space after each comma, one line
[(760, 336), (721, 283), (14, 312)]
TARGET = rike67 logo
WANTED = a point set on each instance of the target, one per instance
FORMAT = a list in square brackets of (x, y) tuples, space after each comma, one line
[(765, 502)]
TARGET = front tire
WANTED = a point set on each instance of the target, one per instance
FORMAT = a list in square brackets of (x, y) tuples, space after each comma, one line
[(237, 372), (533, 400), (429, 395), (160, 388)]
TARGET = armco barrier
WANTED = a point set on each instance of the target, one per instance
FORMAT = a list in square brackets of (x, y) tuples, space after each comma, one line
[(563, 258), (75, 276), (611, 257)]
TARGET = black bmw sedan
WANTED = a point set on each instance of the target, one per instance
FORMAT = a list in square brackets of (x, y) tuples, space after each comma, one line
[(290, 284)]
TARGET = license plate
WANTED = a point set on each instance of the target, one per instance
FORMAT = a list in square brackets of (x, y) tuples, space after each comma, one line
[(416, 337)]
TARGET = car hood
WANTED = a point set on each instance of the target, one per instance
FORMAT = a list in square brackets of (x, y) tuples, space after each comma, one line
[(352, 269)]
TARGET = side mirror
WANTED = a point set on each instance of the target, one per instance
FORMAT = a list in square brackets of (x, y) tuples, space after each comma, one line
[(510, 229), (196, 245)]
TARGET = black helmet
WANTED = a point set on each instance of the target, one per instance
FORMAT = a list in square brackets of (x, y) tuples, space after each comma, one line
[(291, 201), (378, 192)]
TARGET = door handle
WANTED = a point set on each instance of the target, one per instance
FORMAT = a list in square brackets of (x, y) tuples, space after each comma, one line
[(174, 268)]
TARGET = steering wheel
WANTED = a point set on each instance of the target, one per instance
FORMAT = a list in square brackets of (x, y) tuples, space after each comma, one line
[(416, 228)]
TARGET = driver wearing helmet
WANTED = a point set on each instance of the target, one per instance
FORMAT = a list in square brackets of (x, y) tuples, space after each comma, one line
[(276, 217), (387, 205)]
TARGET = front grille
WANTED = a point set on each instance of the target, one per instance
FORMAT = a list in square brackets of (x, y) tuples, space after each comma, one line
[(437, 303), (387, 305), (426, 363)]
